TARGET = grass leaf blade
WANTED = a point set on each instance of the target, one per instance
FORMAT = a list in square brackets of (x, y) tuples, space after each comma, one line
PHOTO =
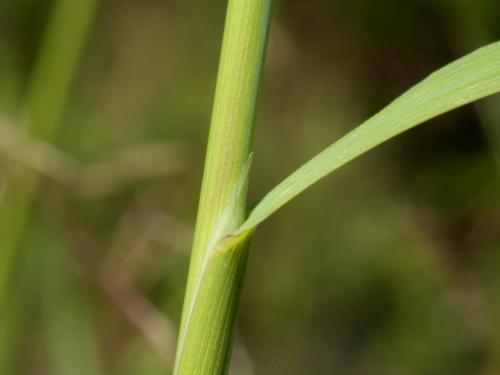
[(465, 80)]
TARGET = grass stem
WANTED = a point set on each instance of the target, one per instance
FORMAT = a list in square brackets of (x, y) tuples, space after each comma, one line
[(217, 266)]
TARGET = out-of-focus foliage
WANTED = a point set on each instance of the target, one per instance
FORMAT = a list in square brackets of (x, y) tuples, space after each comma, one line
[(389, 267)]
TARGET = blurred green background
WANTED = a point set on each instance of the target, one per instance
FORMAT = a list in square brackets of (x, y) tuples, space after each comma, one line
[(391, 266)]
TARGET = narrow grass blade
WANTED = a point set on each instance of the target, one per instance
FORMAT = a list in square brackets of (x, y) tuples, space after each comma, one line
[(470, 78)]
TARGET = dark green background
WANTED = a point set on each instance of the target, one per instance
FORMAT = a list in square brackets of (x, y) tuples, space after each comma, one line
[(391, 266)]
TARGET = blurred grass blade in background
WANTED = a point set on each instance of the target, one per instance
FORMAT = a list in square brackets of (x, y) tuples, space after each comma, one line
[(70, 337), (45, 100), (465, 80), (47, 94)]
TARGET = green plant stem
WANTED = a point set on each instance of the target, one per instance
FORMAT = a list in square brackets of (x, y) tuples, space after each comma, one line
[(217, 266), (46, 98)]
